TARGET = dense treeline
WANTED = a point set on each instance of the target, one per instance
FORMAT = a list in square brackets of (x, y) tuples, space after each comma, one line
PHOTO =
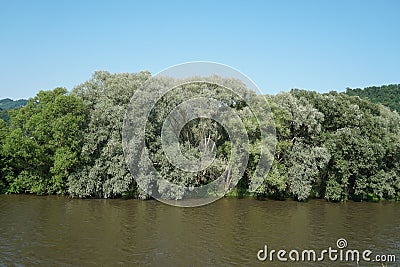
[(388, 95), (331, 146), (335, 146)]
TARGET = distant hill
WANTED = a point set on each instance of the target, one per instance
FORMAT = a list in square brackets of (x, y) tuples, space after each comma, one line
[(7, 104), (388, 95)]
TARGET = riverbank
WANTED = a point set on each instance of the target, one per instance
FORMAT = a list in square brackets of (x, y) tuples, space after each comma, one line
[(233, 194)]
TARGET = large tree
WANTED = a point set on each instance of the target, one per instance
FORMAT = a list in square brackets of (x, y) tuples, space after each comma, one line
[(41, 146), (300, 155), (363, 140), (102, 171)]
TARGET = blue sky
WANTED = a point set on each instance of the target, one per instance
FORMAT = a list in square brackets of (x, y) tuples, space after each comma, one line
[(316, 45)]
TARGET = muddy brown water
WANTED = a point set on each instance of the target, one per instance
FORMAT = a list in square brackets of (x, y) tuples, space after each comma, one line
[(60, 231)]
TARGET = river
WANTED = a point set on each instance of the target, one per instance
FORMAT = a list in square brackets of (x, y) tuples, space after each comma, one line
[(60, 231)]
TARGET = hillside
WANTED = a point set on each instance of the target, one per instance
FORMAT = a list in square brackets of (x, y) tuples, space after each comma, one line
[(7, 104), (388, 95)]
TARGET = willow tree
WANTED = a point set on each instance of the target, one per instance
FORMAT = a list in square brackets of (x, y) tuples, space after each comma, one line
[(102, 171), (300, 155)]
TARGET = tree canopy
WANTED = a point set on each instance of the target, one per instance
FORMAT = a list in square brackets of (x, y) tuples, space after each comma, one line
[(388, 95), (42, 144), (334, 146)]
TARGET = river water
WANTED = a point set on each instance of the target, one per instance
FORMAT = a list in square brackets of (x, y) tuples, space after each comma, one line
[(59, 231)]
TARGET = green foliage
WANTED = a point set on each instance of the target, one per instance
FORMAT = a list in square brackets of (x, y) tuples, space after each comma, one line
[(4, 116), (102, 171), (199, 133), (363, 141), (3, 134), (299, 155), (332, 146), (41, 145), (7, 103), (388, 95)]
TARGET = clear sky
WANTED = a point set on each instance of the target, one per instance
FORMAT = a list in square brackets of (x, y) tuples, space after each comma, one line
[(317, 45)]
